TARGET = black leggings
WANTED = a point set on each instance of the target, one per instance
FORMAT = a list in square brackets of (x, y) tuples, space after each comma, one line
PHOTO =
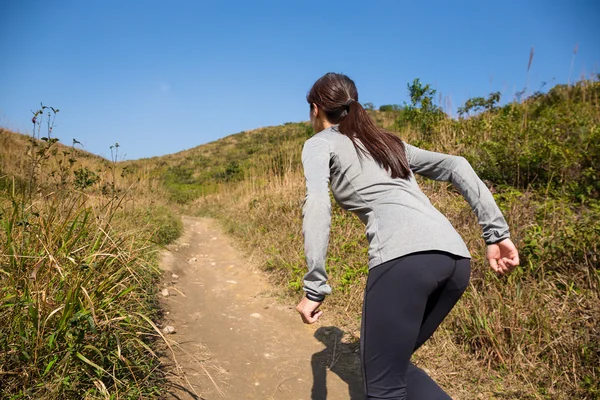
[(405, 301)]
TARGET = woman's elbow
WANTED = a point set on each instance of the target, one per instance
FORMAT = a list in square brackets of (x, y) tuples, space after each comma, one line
[(461, 164)]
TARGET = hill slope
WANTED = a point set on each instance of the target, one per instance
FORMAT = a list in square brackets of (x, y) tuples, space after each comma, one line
[(534, 330)]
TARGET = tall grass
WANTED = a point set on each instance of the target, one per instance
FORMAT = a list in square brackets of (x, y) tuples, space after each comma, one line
[(78, 274)]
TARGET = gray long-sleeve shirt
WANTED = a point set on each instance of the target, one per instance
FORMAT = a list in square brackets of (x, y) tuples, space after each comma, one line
[(399, 218)]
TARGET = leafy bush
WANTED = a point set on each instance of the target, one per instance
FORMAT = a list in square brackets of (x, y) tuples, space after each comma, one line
[(548, 142), (387, 107), (84, 178), (164, 225), (422, 113)]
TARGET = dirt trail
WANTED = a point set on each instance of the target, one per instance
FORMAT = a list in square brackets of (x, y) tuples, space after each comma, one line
[(238, 341)]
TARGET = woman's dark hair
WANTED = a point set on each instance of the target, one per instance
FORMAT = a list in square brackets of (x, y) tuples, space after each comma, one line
[(337, 97)]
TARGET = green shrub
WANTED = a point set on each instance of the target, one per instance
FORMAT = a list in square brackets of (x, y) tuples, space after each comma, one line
[(164, 225)]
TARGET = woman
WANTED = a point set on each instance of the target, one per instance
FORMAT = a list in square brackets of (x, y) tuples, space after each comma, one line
[(418, 264)]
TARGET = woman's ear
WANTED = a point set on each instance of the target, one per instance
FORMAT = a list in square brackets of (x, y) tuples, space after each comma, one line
[(315, 110)]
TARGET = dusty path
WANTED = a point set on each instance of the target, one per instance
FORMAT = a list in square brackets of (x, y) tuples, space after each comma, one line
[(236, 340)]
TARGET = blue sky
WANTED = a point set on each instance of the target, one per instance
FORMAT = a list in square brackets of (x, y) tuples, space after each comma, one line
[(159, 77)]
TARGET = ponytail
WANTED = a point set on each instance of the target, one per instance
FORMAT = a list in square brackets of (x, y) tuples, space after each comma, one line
[(385, 148)]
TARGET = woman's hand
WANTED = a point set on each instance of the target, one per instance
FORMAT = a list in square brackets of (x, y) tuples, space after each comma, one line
[(503, 256), (309, 310)]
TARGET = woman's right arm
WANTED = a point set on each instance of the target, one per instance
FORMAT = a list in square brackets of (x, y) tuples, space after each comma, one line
[(458, 171)]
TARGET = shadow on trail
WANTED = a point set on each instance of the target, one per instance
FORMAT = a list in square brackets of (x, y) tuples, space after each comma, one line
[(343, 359), (175, 391), (175, 388)]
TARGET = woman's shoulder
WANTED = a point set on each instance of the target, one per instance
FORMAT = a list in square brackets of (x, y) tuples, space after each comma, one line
[(329, 134), (332, 136), (328, 140)]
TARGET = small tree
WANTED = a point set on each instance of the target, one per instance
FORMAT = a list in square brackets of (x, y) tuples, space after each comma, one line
[(477, 104), (369, 106), (422, 112), (390, 107)]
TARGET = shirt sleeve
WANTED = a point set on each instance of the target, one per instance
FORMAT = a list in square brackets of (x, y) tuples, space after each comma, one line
[(458, 171), (316, 216)]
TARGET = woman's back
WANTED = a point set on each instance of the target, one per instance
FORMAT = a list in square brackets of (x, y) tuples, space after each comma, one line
[(399, 218)]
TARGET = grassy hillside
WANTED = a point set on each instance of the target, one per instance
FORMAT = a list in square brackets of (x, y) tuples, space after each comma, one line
[(77, 319), (534, 333), (245, 156), (78, 242)]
